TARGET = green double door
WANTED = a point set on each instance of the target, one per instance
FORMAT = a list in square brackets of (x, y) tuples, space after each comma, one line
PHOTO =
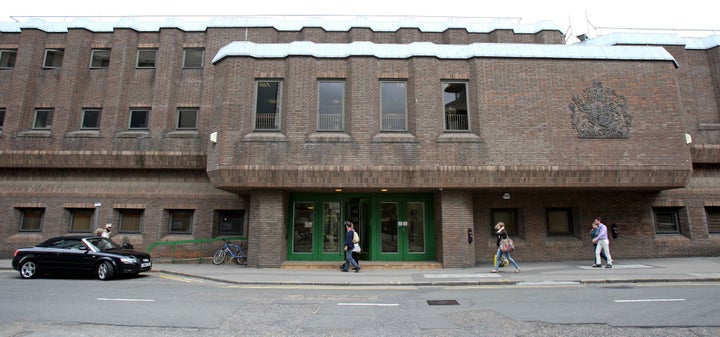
[(392, 227)]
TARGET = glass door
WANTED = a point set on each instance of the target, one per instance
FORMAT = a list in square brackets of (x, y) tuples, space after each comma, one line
[(403, 230)]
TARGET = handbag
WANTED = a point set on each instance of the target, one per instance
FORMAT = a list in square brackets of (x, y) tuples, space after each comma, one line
[(507, 245)]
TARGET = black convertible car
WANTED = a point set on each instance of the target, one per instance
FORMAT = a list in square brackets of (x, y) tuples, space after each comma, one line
[(80, 255)]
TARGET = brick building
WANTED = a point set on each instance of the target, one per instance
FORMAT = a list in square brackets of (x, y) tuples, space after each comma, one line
[(417, 131)]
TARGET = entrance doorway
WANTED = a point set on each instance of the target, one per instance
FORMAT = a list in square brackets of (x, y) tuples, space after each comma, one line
[(392, 227)]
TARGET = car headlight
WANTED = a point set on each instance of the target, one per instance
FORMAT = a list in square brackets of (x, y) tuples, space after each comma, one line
[(128, 259)]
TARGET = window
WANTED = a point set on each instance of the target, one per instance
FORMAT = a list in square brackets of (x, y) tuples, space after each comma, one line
[(180, 221), (187, 118), (559, 221), (43, 119), (267, 105), (508, 216), (666, 220), (139, 118), (193, 58), (53, 58), (2, 118), (713, 219), (130, 220), (7, 58), (100, 58), (456, 106), (90, 119), (31, 219), (232, 223), (146, 58), (81, 219), (331, 102), (393, 97)]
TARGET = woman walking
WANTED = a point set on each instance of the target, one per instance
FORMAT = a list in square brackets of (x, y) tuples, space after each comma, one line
[(501, 235)]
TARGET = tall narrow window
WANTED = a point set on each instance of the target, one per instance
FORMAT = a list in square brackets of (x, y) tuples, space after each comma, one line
[(667, 220), (81, 219), (7, 58), (187, 118), (180, 221), (90, 119), (53, 58), (455, 104), (193, 58), (100, 58), (713, 219), (303, 217), (331, 103), (31, 219), (393, 97), (146, 58), (2, 118), (559, 221), (267, 105), (139, 119), (130, 220), (43, 119)]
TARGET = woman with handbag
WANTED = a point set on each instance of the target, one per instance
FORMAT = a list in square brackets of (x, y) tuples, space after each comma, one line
[(505, 246)]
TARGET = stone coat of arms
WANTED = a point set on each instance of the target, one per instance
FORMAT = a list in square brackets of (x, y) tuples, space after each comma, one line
[(600, 113)]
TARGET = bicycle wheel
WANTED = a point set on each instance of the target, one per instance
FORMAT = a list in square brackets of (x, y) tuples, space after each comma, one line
[(241, 256), (219, 257)]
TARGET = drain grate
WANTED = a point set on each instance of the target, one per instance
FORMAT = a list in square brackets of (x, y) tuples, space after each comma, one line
[(443, 302)]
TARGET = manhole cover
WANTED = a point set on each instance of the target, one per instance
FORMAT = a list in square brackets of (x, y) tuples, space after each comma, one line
[(443, 302)]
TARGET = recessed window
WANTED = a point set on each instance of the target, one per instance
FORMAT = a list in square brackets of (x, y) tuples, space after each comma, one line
[(667, 220), (7, 58), (267, 105), (187, 118), (139, 118), (393, 114), (81, 219), (130, 220), (232, 223), (43, 119), (31, 219), (146, 58), (559, 221), (100, 58), (508, 216), (2, 118), (713, 219), (193, 58), (455, 104), (90, 119), (53, 58), (180, 221), (331, 102)]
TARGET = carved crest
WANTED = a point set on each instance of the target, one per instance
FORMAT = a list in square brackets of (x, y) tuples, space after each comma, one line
[(600, 113)]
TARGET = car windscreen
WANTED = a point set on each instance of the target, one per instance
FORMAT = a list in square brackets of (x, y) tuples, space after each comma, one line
[(102, 244)]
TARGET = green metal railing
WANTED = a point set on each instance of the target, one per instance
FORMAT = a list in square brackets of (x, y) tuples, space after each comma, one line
[(199, 242)]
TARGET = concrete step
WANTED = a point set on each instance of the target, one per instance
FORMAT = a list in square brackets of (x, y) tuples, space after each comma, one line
[(366, 265)]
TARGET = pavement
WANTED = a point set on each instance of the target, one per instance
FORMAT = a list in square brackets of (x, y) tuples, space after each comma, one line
[(683, 269)]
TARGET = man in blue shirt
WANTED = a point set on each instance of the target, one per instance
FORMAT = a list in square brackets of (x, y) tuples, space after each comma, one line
[(349, 245), (603, 244)]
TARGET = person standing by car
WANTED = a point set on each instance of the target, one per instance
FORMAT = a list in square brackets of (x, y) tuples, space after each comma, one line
[(603, 244), (108, 230)]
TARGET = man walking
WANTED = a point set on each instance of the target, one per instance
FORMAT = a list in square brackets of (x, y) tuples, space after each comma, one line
[(603, 244), (349, 245)]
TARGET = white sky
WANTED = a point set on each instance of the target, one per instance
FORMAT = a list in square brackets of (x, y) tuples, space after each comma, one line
[(687, 18)]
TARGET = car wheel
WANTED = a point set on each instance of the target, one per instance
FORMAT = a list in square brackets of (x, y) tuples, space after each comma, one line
[(105, 271), (28, 269)]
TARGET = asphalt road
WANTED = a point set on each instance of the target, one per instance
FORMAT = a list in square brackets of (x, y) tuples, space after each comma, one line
[(158, 304)]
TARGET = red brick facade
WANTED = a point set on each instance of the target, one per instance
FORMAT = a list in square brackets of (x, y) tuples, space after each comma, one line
[(521, 139)]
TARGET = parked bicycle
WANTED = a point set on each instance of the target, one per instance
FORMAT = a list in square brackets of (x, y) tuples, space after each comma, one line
[(230, 251)]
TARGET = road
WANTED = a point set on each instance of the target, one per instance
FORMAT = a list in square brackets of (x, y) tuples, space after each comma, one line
[(157, 304)]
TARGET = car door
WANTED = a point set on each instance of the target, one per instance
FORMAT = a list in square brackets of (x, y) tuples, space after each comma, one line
[(74, 256)]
